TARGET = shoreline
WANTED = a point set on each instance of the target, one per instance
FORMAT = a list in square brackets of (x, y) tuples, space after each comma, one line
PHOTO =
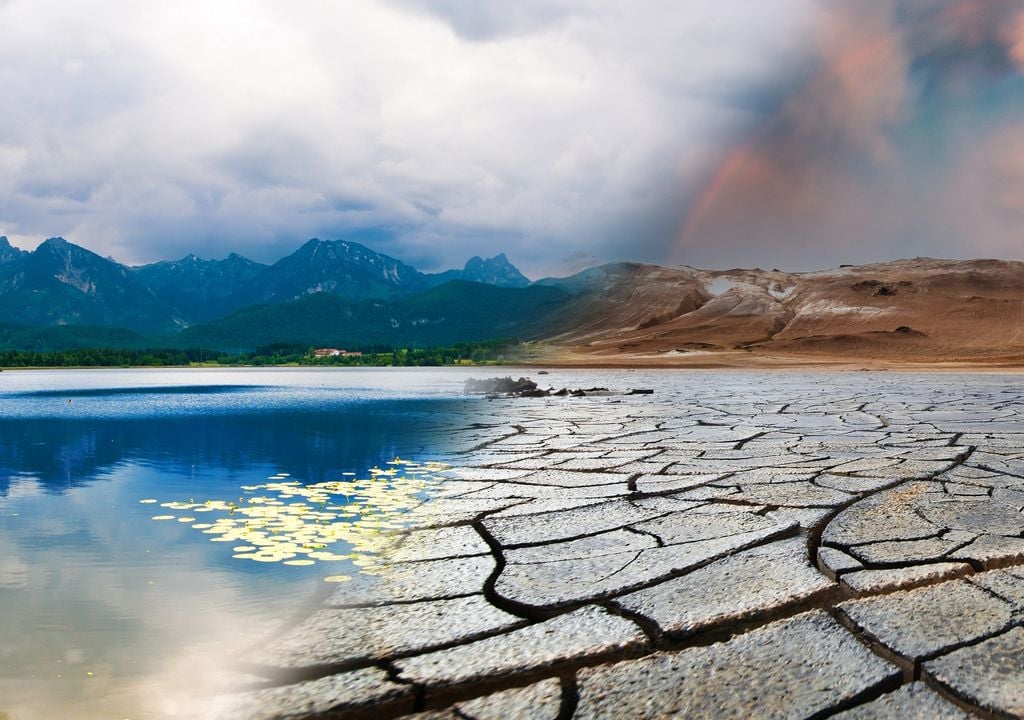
[(542, 354), (550, 356), (764, 364)]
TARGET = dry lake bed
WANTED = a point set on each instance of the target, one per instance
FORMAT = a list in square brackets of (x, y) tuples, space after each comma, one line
[(736, 544)]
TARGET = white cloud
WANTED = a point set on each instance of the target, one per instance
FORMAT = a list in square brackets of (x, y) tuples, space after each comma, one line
[(147, 130)]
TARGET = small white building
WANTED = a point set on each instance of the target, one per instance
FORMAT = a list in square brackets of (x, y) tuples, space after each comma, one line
[(334, 352)]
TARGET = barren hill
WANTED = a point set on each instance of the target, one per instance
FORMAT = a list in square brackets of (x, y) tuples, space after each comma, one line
[(920, 309)]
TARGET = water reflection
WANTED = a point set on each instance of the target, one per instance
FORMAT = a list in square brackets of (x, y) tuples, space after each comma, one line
[(316, 445), (121, 392), (107, 613)]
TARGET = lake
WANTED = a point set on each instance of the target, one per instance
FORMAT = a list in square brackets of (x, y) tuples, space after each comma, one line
[(108, 613)]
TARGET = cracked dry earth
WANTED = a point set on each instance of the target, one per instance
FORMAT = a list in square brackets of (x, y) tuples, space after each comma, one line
[(757, 546)]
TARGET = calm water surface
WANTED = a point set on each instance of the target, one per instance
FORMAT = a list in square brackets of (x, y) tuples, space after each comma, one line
[(105, 613)]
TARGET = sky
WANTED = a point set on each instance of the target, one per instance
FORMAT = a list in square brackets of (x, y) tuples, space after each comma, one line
[(794, 133)]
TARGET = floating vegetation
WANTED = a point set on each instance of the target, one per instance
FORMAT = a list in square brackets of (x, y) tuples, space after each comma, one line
[(293, 523)]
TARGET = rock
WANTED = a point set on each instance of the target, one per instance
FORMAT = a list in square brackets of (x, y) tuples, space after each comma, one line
[(889, 515), (927, 549), (427, 580), (914, 701), (835, 562), (989, 515), (689, 541), (1006, 585), (769, 577), (587, 635), (867, 582), (526, 388), (368, 692), (987, 675), (502, 386), (992, 549), (540, 701), (794, 668), (921, 623), (568, 524), (437, 543), (349, 635)]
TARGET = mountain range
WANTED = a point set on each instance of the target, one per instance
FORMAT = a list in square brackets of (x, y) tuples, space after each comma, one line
[(60, 285), (343, 294)]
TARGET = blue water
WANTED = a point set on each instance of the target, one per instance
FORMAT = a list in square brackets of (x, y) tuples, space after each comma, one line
[(106, 613)]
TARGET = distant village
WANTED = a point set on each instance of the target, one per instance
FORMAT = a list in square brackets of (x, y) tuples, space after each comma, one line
[(334, 352)]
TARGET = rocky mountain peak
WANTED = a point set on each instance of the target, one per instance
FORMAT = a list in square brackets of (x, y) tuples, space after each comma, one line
[(8, 252), (494, 271)]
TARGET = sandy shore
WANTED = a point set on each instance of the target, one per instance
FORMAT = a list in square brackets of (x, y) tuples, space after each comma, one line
[(540, 354)]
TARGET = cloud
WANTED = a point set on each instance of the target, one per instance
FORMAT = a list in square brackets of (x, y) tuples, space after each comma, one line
[(148, 130), (795, 133), (487, 21), (898, 144)]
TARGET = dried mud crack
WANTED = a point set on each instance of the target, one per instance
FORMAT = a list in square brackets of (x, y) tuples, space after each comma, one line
[(776, 546)]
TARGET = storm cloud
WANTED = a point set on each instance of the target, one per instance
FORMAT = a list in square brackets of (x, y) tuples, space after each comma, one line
[(906, 140), (148, 130), (737, 133)]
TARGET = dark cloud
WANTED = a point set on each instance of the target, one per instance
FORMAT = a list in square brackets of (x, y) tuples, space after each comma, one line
[(438, 130), (792, 133), (900, 144)]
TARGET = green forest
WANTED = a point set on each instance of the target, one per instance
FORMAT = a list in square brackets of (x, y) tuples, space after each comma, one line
[(471, 353)]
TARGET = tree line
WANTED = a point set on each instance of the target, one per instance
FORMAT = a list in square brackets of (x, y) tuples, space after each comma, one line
[(483, 352)]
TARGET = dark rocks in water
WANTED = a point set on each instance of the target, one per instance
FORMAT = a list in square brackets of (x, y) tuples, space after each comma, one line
[(640, 391), (542, 372), (501, 386)]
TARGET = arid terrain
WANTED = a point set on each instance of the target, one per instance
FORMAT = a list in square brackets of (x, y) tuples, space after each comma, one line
[(920, 312), (735, 545)]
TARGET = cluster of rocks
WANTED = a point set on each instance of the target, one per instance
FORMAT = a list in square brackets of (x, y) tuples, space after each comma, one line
[(756, 546), (526, 388)]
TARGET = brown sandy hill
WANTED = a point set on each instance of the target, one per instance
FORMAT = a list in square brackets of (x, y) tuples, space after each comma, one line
[(615, 298), (906, 309)]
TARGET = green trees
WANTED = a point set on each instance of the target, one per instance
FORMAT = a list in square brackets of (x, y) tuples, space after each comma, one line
[(489, 351)]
